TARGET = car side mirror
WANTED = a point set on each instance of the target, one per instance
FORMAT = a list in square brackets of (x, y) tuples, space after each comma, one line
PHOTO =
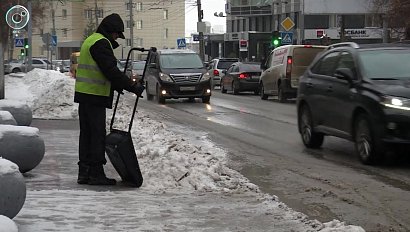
[(344, 74)]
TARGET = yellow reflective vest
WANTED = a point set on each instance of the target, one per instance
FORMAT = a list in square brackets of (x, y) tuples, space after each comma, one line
[(89, 78)]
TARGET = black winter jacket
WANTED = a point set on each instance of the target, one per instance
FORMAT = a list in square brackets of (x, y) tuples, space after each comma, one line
[(103, 55)]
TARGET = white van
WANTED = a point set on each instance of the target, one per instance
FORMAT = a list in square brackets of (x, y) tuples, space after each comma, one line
[(282, 69)]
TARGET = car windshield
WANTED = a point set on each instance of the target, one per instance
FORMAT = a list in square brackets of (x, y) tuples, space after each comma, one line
[(181, 61), (386, 63), (224, 64), (138, 65)]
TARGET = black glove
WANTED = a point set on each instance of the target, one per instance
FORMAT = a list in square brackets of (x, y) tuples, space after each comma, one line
[(138, 89)]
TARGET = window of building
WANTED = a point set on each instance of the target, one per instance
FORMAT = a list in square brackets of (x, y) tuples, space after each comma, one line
[(238, 26), (65, 32), (354, 21), (139, 42), (139, 24), (316, 21), (88, 14), (165, 14), (128, 23), (233, 25), (139, 6), (296, 20), (128, 42), (41, 32), (64, 13), (166, 33), (244, 25), (127, 6), (99, 13)]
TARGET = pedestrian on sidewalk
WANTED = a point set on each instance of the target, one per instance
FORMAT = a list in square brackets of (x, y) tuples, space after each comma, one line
[(97, 78)]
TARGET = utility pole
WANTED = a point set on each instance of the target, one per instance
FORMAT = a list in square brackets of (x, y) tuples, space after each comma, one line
[(53, 33), (2, 89), (29, 37), (201, 33), (131, 5)]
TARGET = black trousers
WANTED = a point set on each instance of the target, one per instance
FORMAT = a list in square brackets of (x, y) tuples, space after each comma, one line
[(92, 134)]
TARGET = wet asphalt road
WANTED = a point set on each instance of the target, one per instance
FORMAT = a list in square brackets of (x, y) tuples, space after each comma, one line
[(263, 143)]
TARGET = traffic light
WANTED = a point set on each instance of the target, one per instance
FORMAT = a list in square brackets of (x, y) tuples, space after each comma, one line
[(26, 45), (276, 39), (22, 52)]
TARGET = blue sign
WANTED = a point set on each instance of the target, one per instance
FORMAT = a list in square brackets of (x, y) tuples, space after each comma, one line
[(287, 37), (54, 40), (196, 37), (181, 43), (19, 42)]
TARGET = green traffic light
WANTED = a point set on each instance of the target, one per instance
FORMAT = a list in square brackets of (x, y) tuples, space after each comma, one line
[(26, 46), (275, 42)]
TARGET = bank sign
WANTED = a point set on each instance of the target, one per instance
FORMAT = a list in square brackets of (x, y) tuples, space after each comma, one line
[(368, 33)]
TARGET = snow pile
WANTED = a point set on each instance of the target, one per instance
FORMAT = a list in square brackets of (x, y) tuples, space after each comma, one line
[(7, 225), (7, 167)]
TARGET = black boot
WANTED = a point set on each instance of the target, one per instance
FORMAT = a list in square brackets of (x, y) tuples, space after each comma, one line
[(97, 177), (83, 174)]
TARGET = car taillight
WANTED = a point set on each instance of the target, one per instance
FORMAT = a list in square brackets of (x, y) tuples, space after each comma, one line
[(244, 75), (289, 67), (216, 72)]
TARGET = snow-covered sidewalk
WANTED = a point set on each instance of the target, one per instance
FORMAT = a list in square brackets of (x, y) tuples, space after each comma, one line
[(187, 184)]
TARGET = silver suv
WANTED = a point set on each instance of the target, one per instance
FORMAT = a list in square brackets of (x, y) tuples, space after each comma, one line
[(20, 66), (216, 68)]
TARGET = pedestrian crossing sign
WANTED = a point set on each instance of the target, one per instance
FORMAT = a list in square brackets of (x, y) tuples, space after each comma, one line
[(287, 37), (19, 42), (181, 43)]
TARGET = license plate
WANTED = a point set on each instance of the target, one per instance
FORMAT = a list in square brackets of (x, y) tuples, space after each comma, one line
[(187, 88)]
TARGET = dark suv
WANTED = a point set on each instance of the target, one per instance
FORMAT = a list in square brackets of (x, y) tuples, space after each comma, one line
[(177, 73), (360, 93)]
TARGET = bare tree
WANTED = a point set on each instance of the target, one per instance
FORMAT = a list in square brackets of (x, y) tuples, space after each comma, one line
[(397, 16)]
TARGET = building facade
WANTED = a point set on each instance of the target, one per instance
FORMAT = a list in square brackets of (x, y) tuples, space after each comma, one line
[(302, 21), (155, 24)]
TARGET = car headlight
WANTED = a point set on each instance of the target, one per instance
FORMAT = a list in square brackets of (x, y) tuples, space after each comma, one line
[(396, 102), (205, 77), (165, 77)]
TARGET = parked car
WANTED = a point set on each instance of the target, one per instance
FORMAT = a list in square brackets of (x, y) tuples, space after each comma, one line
[(42, 63), (20, 66), (283, 67), (360, 93), (177, 73), (56, 64), (137, 70), (65, 66), (216, 68), (241, 76), (14, 66)]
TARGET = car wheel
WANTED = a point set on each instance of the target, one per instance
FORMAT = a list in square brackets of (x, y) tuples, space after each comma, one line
[(364, 141), (235, 90), (262, 92), (206, 99), (281, 95), (160, 99), (150, 97), (223, 90), (310, 138), (15, 70)]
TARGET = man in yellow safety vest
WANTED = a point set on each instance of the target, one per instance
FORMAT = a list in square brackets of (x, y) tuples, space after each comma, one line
[(97, 77)]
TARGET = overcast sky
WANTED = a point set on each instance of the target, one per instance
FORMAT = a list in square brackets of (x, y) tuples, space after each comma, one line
[(209, 7)]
